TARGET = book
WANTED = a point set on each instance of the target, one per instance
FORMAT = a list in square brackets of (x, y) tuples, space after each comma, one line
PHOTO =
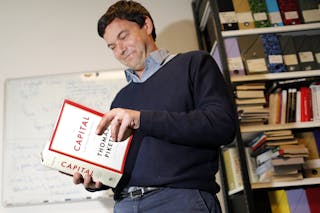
[(313, 199), (251, 165), (251, 86), (306, 104), (279, 201), (232, 165), (287, 161), (74, 146), (298, 201), (250, 94)]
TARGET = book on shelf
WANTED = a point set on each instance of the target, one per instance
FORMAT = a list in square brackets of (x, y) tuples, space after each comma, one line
[(279, 201), (249, 101), (297, 200), (74, 146), (287, 161), (251, 86), (315, 102), (313, 199), (251, 165), (306, 104), (250, 94), (232, 165)]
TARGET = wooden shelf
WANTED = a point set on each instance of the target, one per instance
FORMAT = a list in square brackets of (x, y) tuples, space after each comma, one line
[(280, 184), (280, 29), (303, 182), (275, 76), (297, 125)]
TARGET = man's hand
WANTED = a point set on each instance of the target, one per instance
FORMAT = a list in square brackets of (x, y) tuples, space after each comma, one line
[(121, 121), (87, 182)]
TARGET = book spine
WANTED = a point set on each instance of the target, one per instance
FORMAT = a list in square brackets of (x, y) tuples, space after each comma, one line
[(229, 172)]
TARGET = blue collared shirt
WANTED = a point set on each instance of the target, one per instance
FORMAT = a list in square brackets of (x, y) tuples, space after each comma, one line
[(153, 63)]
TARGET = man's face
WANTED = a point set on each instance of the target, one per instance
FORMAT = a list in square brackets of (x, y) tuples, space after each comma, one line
[(128, 42)]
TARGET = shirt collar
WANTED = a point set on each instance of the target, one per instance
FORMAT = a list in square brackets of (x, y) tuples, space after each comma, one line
[(152, 64)]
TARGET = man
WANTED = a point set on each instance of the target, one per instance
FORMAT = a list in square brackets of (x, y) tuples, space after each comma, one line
[(179, 112)]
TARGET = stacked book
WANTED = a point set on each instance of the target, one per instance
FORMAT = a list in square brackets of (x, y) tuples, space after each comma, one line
[(278, 155), (250, 99)]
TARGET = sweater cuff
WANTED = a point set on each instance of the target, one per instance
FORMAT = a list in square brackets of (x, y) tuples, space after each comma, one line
[(146, 121)]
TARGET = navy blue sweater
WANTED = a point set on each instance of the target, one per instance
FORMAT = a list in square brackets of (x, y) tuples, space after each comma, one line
[(186, 114)]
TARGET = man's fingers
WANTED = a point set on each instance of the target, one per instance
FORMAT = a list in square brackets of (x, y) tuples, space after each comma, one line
[(114, 127), (104, 122), (125, 125), (77, 178)]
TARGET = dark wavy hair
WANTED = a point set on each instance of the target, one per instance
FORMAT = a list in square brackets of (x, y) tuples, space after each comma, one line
[(127, 10)]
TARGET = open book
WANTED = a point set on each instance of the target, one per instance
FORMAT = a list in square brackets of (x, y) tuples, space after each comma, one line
[(74, 146)]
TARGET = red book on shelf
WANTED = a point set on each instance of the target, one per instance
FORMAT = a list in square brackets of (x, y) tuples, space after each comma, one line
[(313, 199), (74, 146), (306, 104)]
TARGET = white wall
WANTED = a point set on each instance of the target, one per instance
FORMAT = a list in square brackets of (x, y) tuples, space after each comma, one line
[(40, 37)]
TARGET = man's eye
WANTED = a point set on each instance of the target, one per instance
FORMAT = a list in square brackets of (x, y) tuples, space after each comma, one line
[(124, 36)]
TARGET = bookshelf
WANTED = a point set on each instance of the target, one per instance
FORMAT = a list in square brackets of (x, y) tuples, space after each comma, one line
[(244, 197), (279, 29), (282, 184), (296, 125), (275, 76)]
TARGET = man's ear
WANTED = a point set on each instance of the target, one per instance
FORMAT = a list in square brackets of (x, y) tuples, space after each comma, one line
[(148, 25)]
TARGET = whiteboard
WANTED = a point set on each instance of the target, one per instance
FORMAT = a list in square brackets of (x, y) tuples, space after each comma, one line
[(31, 107)]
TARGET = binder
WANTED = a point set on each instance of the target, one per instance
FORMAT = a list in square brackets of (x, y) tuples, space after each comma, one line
[(274, 13), (303, 45), (259, 11), (310, 10), (273, 53), (243, 13), (316, 48), (289, 12), (227, 15), (252, 53), (235, 64), (289, 53)]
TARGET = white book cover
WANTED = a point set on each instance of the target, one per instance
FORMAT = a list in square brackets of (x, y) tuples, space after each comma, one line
[(74, 146)]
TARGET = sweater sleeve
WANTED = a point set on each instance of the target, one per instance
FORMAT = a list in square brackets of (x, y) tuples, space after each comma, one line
[(211, 123)]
